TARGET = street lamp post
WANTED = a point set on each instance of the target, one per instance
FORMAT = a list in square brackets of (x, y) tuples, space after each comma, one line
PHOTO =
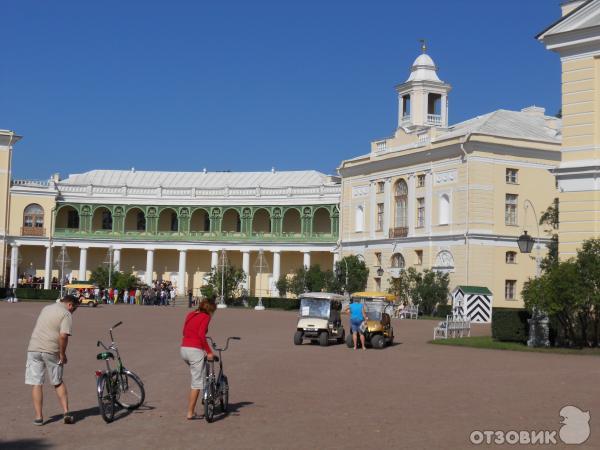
[(223, 266), (538, 324)]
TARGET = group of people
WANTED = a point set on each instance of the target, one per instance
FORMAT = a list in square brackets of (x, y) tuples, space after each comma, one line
[(47, 352), (30, 281), (159, 294)]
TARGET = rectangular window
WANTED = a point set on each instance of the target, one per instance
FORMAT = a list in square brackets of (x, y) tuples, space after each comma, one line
[(512, 176), (420, 180), (510, 289), (419, 257), (420, 212), (379, 216), (511, 257), (380, 187), (510, 209)]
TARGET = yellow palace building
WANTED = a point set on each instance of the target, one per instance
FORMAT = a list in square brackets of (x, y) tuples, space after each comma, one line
[(451, 198)]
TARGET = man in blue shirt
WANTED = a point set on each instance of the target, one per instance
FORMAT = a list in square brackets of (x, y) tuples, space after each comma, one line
[(358, 315)]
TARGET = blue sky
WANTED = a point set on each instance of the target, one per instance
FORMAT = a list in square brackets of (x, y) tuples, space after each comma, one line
[(247, 85)]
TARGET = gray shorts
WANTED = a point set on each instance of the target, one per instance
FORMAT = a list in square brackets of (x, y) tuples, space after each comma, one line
[(196, 359), (37, 365)]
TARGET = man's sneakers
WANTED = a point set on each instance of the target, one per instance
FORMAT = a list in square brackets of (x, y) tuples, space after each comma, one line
[(68, 419)]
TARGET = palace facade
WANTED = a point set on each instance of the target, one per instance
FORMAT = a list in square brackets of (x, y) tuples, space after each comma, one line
[(168, 225)]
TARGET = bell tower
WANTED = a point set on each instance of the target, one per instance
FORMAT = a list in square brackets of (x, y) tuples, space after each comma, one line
[(423, 97)]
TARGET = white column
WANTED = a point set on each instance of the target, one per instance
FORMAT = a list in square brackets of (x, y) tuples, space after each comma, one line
[(444, 110), (411, 205), (149, 265), (387, 206), (400, 108), (82, 263), (306, 261), (276, 273), (117, 259), (48, 267), (182, 270), (246, 269), (372, 209), (14, 263), (214, 259), (428, 201)]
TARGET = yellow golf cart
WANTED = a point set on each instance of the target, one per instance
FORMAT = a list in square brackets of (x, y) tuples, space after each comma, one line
[(82, 291), (379, 306)]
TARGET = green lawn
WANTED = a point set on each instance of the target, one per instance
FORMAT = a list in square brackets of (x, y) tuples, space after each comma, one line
[(488, 343)]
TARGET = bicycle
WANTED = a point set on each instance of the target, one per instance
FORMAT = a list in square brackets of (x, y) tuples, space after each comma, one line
[(216, 387), (117, 386)]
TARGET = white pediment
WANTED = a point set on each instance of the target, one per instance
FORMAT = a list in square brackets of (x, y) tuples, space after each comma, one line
[(586, 17)]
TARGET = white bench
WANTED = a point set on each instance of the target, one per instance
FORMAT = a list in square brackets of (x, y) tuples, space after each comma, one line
[(408, 312), (453, 327)]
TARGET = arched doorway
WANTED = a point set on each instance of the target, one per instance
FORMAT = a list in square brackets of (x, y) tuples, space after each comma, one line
[(168, 221), (261, 221), (67, 217), (321, 221), (200, 220), (135, 220), (291, 222), (231, 221), (102, 219)]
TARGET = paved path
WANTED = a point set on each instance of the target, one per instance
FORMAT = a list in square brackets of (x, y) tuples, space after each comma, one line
[(413, 395)]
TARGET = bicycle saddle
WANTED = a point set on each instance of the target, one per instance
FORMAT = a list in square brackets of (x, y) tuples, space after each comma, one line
[(105, 355)]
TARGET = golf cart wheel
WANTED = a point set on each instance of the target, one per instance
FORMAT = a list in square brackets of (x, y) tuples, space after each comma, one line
[(349, 341), (378, 341), (324, 339), (298, 337)]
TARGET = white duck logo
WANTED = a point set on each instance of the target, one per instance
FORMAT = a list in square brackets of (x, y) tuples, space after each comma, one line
[(575, 425)]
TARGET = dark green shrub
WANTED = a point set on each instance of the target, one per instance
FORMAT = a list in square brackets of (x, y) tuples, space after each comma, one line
[(510, 324), (36, 294), (443, 311), (2, 292)]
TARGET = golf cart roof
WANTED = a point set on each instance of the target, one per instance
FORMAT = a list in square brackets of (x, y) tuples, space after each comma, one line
[(323, 296), (80, 286), (373, 295)]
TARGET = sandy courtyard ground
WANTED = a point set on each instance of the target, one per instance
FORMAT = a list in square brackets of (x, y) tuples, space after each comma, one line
[(413, 395)]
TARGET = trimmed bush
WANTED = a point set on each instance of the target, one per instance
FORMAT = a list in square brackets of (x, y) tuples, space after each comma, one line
[(37, 294), (510, 325), (287, 304), (443, 311), (2, 292)]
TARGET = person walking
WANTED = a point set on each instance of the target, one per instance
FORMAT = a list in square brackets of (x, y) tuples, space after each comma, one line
[(173, 295), (190, 298), (358, 316), (47, 352), (195, 349), (10, 294)]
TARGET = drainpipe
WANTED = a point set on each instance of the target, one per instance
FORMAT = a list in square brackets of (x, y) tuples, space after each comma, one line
[(7, 207), (466, 234)]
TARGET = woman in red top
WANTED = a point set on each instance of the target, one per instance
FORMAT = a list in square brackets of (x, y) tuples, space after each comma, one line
[(195, 349)]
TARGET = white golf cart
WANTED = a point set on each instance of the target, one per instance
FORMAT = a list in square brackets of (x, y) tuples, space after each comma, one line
[(319, 319)]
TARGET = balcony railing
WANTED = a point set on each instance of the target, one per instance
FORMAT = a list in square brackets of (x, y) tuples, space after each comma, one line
[(434, 119), (398, 232), (33, 231)]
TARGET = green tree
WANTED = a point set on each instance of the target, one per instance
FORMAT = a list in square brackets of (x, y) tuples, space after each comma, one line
[(311, 280), (125, 280), (282, 285), (403, 286), (232, 277), (549, 218), (358, 274), (430, 289), (100, 277)]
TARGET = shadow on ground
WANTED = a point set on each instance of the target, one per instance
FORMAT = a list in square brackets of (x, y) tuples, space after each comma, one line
[(83, 414), (233, 410), (29, 444)]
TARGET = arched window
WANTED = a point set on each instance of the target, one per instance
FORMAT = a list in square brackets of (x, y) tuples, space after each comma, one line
[(33, 216), (444, 262), (401, 202), (444, 210), (359, 218), (397, 261)]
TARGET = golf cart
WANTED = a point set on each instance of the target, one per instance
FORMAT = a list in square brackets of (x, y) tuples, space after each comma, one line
[(319, 319), (82, 292), (379, 306)]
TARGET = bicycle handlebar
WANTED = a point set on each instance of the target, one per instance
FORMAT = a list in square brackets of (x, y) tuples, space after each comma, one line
[(214, 345), (116, 325)]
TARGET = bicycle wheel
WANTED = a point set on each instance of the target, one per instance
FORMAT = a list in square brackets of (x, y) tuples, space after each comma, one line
[(209, 401), (224, 395), (106, 399), (132, 393)]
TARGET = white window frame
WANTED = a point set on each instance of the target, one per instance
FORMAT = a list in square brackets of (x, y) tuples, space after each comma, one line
[(511, 208), (510, 293)]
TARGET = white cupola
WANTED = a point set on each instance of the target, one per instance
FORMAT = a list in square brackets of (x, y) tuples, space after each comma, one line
[(423, 97)]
